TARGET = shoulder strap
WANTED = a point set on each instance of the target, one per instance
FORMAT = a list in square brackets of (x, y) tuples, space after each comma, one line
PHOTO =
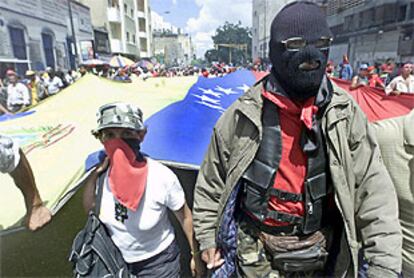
[(99, 192)]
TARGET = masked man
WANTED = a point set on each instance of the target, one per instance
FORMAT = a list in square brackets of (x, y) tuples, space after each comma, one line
[(293, 183), (137, 192)]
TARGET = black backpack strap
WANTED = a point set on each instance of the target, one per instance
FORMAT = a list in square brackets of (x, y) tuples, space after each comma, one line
[(99, 192)]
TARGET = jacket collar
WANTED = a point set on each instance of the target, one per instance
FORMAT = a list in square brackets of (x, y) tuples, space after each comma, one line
[(251, 103)]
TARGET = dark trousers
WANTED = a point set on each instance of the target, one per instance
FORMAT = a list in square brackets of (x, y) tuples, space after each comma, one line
[(164, 265)]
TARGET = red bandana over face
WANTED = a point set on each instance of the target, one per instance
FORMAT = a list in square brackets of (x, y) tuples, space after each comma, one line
[(127, 176)]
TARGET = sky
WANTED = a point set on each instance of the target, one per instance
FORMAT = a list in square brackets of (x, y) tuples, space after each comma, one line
[(200, 18)]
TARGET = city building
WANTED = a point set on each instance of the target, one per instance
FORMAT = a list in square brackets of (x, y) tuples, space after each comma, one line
[(37, 34), (127, 23), (372, 31), (264, 12), (173, 49)]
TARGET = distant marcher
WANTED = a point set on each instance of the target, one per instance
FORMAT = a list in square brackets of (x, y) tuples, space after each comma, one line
[(18, 96), (36, 86), (374, 81), (53, 82), (14, 162), (345, 72), (403, 83), (361, 79), (330, 69)]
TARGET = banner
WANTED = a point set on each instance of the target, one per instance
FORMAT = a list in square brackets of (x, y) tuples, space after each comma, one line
[(181, 132), (376, 104), (56, 134)]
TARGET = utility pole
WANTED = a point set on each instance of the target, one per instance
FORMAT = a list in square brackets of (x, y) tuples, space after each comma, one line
[(73, 33)]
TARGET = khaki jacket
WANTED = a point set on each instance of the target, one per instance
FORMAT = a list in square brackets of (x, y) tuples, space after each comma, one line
[(364, 193), (396, 141)]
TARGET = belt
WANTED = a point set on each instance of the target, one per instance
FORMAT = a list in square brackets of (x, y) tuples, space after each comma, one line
[(289, 230)]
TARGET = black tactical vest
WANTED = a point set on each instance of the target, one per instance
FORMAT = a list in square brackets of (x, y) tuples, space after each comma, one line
[(259, 179)]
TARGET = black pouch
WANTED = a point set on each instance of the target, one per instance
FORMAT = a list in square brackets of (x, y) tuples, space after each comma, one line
[(294, 254), (310, 259)]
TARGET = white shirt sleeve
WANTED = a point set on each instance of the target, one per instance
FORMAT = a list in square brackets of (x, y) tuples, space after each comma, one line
[(9, 154), (391, 86), (175, 198)]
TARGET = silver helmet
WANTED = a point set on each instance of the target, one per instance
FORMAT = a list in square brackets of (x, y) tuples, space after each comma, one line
[(119, 114)]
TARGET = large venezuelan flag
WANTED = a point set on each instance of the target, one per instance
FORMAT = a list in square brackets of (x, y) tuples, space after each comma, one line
[(56, 134)]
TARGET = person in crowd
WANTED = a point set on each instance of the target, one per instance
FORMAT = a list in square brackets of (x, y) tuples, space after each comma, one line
[(361, 79), (403, 83), (68, 77), (345, 71), (82, 71), (36, 86), (53, 83), (374, 81), (137, 193), (18, 96), (293, 179), (204, 73), (330, 69), (396, 141), (14, 162), (392, 69)]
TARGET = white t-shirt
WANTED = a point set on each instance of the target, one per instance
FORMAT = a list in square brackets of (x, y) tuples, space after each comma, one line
[(54, 85), (17, 95), (147, 231), (9, 154), (402, 85)]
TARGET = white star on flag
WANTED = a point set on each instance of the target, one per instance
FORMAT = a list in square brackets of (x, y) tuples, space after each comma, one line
[(228, 91), (210, 92)]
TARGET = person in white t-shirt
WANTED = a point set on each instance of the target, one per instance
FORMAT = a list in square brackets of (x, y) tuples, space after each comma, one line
[(137, 193), (18, 96), (14, 162), (53, 82), (403, 83)]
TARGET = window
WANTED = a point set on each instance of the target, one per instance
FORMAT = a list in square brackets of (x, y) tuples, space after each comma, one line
[(141, 5), (412, 11), (47, 40), (143, 44), (18, 43), (133, 39), (127, 36), (402, 11), (125, 8), (141, 24), (132, 12)]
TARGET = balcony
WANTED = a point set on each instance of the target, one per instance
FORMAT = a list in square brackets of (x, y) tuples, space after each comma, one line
[(142, 34), (114, 15), (116, 46)]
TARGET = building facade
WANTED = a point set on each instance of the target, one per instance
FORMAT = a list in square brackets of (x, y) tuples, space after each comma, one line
[(173, 49), (372, 31), (35, 34), (264, 11), (128, 24)]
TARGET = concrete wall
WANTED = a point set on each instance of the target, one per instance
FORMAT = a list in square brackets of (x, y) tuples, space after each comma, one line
[(37, 16)]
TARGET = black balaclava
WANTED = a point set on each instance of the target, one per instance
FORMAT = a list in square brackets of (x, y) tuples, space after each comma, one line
[(299, 19)]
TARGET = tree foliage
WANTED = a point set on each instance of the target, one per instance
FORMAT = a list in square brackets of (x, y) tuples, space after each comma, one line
[(234, 34)]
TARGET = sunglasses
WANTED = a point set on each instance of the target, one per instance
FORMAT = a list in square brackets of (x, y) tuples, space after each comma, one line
[(299, 43)]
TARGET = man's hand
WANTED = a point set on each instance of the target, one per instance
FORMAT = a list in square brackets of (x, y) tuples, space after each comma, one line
[(38, 217), (395, 92), (212, 258)]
